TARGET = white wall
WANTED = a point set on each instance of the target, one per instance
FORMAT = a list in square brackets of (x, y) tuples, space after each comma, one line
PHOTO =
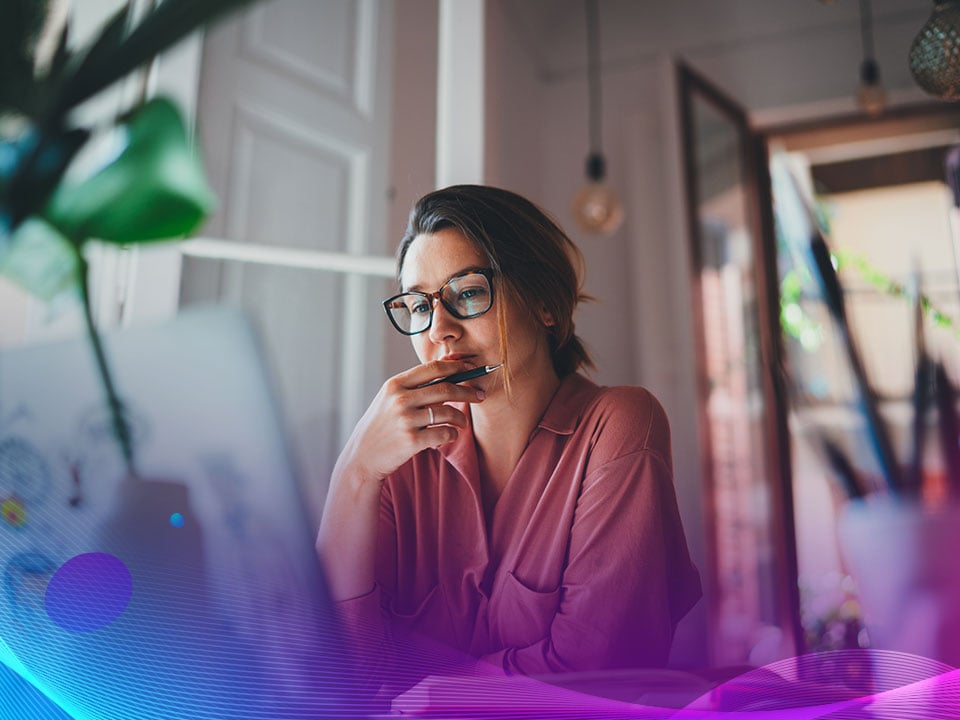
[(770, 53), (413, 152), (514, 107), (818, 62)]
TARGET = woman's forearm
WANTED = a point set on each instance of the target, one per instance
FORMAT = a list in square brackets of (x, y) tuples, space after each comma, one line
[(347, 539)]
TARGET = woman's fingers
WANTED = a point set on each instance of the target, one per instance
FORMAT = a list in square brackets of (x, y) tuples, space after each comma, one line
[(414, 401), (440, 415), (406, 418), (420, 374), (442, 393), (435, 436)]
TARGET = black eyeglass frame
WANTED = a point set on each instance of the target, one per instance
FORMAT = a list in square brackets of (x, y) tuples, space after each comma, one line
[(488, 273)]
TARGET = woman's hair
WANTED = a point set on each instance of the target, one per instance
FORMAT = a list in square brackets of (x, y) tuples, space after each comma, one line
[(535, 264)]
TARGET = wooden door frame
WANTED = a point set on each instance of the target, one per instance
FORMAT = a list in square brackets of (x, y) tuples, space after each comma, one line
[(777, 445), (903, 120)]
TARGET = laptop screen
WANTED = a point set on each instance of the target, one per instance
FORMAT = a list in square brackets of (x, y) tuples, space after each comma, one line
[(190, 590)]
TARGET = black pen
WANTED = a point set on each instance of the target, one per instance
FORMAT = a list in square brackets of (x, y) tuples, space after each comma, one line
[(465, 375)]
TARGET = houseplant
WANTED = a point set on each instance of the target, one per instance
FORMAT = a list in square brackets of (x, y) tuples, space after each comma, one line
[(51, 211)]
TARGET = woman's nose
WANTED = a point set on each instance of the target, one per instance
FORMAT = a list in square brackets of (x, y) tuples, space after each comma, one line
[(444, 325)]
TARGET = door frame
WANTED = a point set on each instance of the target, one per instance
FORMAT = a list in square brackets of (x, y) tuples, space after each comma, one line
[(777, 447)]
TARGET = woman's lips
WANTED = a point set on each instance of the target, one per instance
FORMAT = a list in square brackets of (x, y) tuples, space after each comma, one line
[(458, 356)]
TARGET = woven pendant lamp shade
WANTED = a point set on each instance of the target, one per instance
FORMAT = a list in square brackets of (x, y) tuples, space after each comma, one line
[(935, 54)]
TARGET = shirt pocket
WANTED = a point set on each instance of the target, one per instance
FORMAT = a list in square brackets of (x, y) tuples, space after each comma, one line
[(522, 616), (429, 617), (406, 610)]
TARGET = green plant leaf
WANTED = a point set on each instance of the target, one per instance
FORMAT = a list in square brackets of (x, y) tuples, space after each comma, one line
[(39, 166), (62, 54), (106, 44), (166, 25), (21, 22), (154, 190), (40, 260)]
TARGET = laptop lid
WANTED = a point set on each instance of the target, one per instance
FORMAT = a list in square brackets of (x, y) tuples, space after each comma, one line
[(191, 590)]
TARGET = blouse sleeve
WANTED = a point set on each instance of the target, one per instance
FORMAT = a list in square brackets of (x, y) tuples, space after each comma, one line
[(628, 578), (388, 659), (362, 617)]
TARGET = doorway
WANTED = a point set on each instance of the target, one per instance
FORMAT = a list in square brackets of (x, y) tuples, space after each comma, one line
[(776, 586), (750, 576), (886, 208)]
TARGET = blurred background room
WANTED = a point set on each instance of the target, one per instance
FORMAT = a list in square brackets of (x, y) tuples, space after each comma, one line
[(322, 121)]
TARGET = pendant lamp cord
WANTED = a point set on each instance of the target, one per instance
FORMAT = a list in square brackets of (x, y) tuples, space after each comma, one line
[(593, 75), (866, 29)]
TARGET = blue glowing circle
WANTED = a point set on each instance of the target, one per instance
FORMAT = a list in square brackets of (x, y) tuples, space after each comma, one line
[(176, 520), (88, 592)]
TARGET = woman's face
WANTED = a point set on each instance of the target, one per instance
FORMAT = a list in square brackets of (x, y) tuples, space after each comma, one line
[(431, 260)]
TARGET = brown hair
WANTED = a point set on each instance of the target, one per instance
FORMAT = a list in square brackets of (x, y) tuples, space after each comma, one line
[(535, 264)]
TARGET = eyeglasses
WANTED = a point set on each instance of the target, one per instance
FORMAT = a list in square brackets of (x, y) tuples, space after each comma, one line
[(465, 296)]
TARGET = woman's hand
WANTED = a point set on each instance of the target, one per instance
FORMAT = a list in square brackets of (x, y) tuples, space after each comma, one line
[(405, 418)]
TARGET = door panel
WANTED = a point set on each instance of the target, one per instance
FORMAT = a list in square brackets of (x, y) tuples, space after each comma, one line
[(294, 122)]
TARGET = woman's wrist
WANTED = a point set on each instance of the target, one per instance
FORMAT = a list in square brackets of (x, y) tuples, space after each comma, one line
[(355, 482)]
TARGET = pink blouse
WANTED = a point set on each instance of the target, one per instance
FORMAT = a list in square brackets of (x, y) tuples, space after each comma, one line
[(584, 565)]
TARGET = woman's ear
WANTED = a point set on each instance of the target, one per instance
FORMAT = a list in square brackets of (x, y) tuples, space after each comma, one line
[(546, 317)]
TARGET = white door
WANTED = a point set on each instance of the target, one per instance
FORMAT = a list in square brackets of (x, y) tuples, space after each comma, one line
[(293, 121)]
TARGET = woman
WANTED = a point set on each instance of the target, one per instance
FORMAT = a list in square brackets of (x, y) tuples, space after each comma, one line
[(526, 517)]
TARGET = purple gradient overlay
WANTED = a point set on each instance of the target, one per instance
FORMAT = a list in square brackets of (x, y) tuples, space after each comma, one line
[(88, 592), (891, 685)]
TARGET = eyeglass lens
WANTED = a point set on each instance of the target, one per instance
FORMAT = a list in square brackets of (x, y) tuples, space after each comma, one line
[(466, 296)]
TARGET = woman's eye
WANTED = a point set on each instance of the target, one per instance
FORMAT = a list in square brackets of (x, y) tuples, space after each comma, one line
[(471, 293), (420, 307)]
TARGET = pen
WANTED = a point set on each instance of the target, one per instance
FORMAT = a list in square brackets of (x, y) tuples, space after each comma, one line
[(465, 375)]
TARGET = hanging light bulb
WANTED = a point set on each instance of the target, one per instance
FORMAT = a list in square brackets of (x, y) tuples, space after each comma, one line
[(935, 54), (596, 207), (871, 97)]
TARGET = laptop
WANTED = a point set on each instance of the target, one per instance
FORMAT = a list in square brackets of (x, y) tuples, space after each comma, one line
[(191, 590)]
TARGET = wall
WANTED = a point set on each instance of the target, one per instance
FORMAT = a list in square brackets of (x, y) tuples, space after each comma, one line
[(514, 114), (413, 151), (770, 53)]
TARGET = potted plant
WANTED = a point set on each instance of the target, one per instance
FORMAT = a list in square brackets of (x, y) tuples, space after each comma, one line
[(154, 189)]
